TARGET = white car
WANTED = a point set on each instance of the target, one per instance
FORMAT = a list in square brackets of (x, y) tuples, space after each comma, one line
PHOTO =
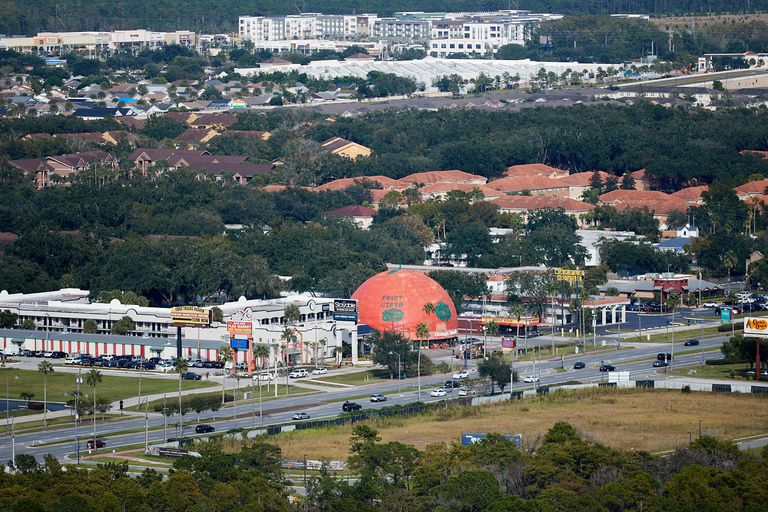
[(264, 377), (463, 374), (438, 392), (319, 371), (48, 353), (531, 378), (164, 368), (296, 374), (466, 392)]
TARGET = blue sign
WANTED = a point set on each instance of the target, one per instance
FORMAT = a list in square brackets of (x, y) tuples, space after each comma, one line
[(238, 344), (344, 317), (725, 316), (467, 439)]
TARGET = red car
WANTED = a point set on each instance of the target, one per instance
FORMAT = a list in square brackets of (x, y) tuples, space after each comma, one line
[(99, 444)]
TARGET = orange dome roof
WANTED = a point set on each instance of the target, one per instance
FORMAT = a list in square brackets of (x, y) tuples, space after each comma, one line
[(395, 300)]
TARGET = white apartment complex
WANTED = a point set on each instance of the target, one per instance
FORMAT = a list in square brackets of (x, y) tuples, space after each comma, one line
[(443, 33)]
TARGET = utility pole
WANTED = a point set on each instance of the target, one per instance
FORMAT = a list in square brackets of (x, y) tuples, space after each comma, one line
[(146, 424), (165, 422)]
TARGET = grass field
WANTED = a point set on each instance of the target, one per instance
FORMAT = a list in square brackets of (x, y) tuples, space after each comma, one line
[(112, 388), (265, 396), (719, 372), (652, 420)]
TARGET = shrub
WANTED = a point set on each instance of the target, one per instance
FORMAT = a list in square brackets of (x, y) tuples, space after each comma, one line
[(686, 389)]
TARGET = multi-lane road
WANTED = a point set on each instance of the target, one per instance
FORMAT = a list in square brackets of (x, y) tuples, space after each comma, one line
[(635, 359)]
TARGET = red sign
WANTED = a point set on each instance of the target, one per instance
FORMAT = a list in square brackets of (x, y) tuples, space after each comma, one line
[(240, 326), (507, 342)]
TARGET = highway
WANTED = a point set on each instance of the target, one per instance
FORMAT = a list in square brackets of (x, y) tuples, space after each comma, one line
[(637, 360)]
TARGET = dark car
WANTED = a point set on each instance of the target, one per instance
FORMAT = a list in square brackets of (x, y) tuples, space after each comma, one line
[(209, 364), (202, 429), (664, 356), (155, 360), (691, 343), (27, 353), (351, 406), (146, 366), (190, 376), (450, 384), (578, 365), (607, 368), (660, 364), (59, 355), (99, 444)]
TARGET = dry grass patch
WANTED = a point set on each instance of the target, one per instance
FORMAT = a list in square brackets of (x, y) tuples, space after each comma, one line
[(651, 420)]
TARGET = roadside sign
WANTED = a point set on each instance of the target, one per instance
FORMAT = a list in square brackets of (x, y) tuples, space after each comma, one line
[(190, 316), (755, 327), (725, 316)]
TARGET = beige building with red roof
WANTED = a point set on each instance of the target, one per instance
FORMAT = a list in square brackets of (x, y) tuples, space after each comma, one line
[(579, 182), (691, 195), (521, 205), (751, 189), (439, 191), (642, 180), (537, 185), (361, 215), (378, 182), (453, 176), (534, 170), (659, 203)]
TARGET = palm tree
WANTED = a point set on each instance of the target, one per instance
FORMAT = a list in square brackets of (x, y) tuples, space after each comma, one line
[(225, 356), (292, 313), (289, 337), (323, 342), (45, 367), (181, 367), (428, 308), (314, 346), (422, 331), (338, 352), (729, 261), (93, 379), (518, 310)]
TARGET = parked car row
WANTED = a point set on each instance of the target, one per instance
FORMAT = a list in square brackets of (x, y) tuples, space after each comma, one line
[(646, 306)]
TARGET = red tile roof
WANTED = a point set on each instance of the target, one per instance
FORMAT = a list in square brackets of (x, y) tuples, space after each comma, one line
[(657, 207), (353, 211), (616, 196), (691, 193), (753, 187), (516, 184), (541, 202), (436, 188), (583, 178), (377, 182), (454, 176), (533, 170)]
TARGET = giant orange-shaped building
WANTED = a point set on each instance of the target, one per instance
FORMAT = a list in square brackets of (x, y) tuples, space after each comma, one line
[(394, 300)]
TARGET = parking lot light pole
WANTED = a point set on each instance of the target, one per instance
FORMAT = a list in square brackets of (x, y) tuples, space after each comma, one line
[(398, 376)]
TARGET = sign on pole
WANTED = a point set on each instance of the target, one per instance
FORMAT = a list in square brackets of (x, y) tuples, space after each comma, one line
[(755, 327), (190, 316), (725, 316)]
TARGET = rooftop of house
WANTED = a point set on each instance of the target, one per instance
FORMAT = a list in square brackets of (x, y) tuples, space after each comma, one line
[(518, 183), (353, 211), (541, 202), (454, 176), (690, 193), (375, 182), (534, 170), (584, 178)]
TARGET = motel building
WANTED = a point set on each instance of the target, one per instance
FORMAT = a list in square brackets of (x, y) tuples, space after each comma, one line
[(61, 315)]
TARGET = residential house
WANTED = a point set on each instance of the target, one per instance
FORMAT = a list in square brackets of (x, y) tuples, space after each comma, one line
[(644, 181), (521, 205), (220, 104), (536, 185), (213, 121), (274, 62), (144, 158), (94, 114), (580, 182), (241, 173), (36, 167), (361, 215), (360, 57), (751, 189), (659, 203), (345, 148), (534, 170), (247, 133), (73, 163), (452, 176), (195, 136), (684, 236), (376, 182), (439, 191), (691, 195)]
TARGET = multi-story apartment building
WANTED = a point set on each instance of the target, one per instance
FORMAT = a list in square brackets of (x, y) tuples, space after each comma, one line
[(482, 31)]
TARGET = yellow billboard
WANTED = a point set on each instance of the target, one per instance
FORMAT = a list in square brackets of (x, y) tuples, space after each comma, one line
[(190, 316)]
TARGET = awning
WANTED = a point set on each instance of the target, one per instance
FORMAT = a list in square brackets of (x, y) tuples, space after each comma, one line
[(18, 341), (157, 349)]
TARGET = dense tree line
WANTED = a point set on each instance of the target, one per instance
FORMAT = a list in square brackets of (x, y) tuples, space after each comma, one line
[(222, 16)]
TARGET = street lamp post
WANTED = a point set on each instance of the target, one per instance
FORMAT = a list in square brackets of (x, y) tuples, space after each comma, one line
[(398, 376)]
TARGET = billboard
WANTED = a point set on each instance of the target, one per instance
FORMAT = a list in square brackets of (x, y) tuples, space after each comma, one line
[(755, 327), (725, 316), (345, 305), (238, 344), (345, 317), (246, 327), (190, 316), (508, 342)]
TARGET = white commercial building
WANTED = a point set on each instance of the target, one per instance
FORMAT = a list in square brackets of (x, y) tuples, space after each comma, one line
[(60, 318)]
